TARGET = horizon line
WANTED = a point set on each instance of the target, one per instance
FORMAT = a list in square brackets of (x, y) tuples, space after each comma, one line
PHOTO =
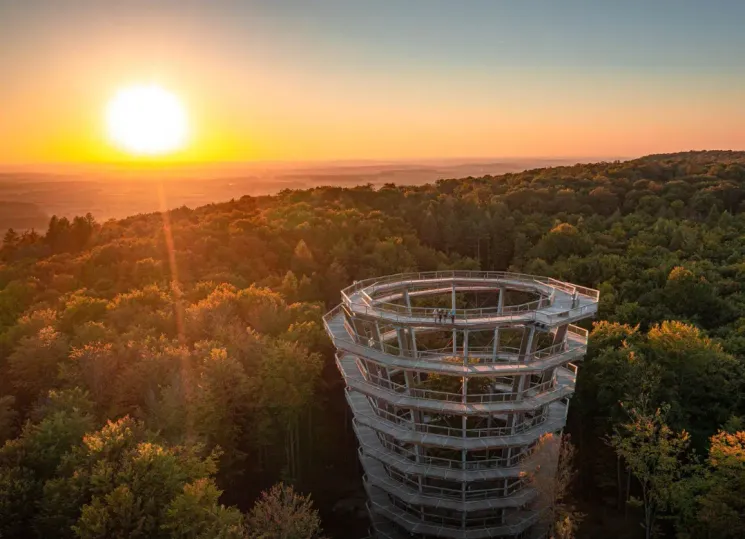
[(320, 161)]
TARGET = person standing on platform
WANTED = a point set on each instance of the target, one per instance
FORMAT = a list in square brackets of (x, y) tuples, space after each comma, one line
[(452, 316), (437, 315)]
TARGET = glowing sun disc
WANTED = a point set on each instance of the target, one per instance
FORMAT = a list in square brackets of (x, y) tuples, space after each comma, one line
[(146, 120)]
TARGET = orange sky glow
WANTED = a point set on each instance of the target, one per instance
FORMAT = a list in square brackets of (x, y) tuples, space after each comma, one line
[(273, 88)]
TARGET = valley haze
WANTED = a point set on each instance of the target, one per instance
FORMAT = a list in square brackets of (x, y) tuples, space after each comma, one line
[(31, 194)]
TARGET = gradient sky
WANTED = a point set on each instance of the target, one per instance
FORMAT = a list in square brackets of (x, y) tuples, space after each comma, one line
[(284, 80)]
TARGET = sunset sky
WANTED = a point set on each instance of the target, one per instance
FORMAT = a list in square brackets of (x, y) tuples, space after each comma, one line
[(281, 80)]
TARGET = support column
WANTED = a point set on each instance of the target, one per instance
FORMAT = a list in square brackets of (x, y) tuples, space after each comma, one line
[(518, 386), (500, 310), (380, 337), (526, 352), (463, 513), (464, 418), (416, 415), (388, 376), (407, 300), (414, 352), (409, 377), (464, 400), (547, 375), (526, 343), (418, 458), (500, 301), (455, 342), (401, 342), (495, 347), (561, 333), (359, 329), (532, 347), (464, 427)]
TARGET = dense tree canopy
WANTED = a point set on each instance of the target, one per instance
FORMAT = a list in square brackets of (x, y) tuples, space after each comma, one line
[(190, 344)]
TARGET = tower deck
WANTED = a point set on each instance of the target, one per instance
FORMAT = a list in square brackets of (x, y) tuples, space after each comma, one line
[(453, 377)]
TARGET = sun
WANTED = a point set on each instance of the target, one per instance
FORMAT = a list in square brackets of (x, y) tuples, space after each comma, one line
[(146, 120)]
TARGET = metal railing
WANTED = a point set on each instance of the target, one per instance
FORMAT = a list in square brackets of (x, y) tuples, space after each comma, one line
[(435, 363), (329, 316), (574, 334), (511, 312), (419, 392), (442, 462), (573, 369), (420, 315), (431, 515), (387, 516), (510, 486), (580, 334), (549, 282), (474, 352), (512, 521), (461, 314), (526, 317), (549, 351), (476, 355), (459, 432)]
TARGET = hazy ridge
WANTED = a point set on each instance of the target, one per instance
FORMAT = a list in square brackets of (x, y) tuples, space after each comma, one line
[(29, 195)]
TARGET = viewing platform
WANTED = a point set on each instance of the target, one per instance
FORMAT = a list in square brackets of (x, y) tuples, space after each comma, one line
[(558, 301), (453, 377)]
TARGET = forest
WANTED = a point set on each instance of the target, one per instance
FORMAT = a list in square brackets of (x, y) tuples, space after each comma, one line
[(167, 375)]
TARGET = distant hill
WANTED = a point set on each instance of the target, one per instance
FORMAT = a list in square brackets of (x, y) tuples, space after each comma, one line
[(115, 191)]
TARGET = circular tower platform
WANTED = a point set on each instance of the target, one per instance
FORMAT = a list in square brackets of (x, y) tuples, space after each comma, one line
[(453, 377)]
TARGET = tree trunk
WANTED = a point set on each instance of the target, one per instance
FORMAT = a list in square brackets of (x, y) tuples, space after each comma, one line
[(298, 458), (628, 492), (309, 460), (648, 515), (619, 496), (288, 450)]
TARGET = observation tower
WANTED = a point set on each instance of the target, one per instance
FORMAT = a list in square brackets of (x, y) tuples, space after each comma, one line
[(448, 409)]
